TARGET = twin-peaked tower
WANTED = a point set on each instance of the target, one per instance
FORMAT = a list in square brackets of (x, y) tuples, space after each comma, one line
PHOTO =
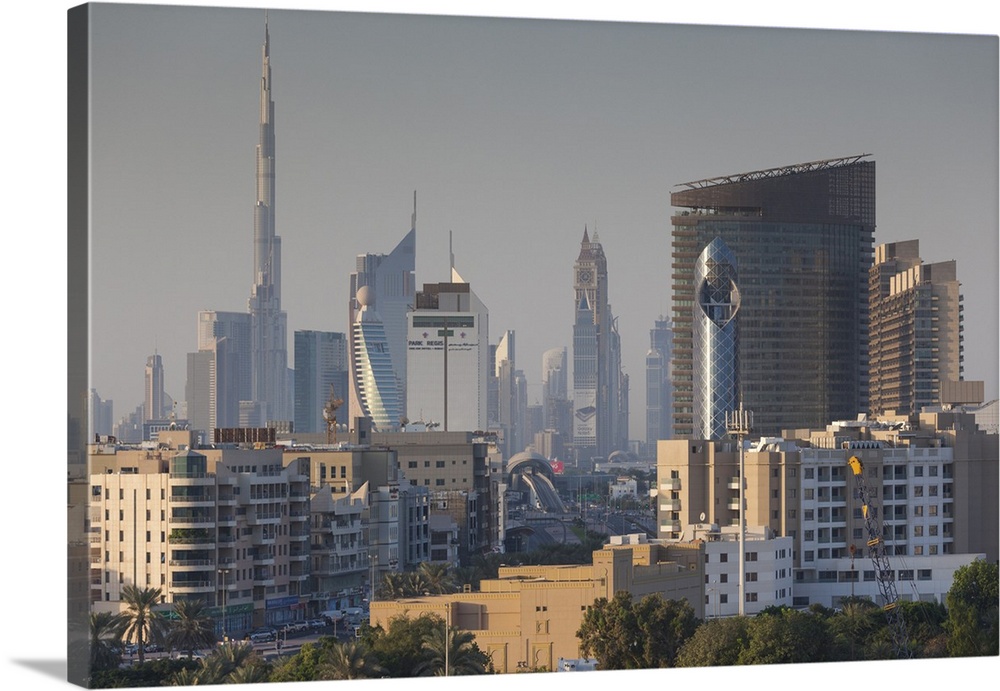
[(269, 377), (600, 389)]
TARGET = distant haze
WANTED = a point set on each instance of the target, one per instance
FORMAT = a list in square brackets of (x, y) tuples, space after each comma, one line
[(515, 134)]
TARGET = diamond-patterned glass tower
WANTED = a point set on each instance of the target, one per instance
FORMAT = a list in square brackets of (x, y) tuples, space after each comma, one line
[(716, 338)]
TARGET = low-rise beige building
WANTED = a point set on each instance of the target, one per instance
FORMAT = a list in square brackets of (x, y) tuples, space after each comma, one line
[(527, 617)]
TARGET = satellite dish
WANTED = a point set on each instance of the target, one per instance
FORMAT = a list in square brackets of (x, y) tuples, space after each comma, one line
[(702, 517)]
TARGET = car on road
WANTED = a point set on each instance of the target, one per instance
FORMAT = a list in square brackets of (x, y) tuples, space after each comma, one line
[(262, 636), (317, 623)]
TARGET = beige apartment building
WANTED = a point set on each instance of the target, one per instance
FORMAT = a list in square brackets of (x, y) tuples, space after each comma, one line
[(454, 468), (229, 526), (527, 617), (915, 333)]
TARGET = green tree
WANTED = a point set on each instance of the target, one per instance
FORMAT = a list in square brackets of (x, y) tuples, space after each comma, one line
[(143, 623), (973, 610), (226, 664), (854, 630), (303, 665), (399, 647), (349, 660), (451, 652), (105, 640), (786, 636), (621, 634), (716, 642), (192, 628)]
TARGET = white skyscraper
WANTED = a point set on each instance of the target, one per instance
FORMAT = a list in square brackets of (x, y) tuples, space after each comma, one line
[(448, 357), (390, 279)]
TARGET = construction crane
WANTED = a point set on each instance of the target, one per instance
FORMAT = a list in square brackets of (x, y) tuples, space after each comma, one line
[(330, 415), (877, 553)]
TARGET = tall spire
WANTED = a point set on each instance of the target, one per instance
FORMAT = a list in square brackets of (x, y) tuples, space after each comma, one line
[(586, 238), (268, 323)]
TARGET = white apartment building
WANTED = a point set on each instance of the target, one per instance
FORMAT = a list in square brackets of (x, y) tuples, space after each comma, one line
[(768, 565)]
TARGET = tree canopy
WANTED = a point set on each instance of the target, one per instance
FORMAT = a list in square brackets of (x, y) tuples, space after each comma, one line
[(973, 608), (622, 634)]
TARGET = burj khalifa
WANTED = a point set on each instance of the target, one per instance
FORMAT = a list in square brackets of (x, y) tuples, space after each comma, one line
[(268, 323)]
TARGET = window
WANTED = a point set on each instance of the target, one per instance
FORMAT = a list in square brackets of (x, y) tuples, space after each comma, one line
[(932, 530), (808, 493), (918, 471), (751, 556), (810, 473), (932, 510), (751, 597), (439, 482), (918, 511), (751, 576), (809, 535), (918, 550), (923, 574), (411, 464), (906, 574), (933, 471), (439, 464), (918, 491), (723, 578), (808, 514), (809, 555), (724, 557)]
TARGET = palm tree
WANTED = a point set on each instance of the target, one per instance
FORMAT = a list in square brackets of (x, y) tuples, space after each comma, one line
[(105, 640), (437, 578), (250, 673), (192, 629), (349, 660), (143, 623), (463, 655), (225, 661)]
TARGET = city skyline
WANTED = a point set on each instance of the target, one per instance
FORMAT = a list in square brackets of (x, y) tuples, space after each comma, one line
[(521, 144), (39, 152)]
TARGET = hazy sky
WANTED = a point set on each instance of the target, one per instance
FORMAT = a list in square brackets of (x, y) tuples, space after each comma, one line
[(516, 134)]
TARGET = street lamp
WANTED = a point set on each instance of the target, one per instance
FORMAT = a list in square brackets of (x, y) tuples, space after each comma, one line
[(223, 573)]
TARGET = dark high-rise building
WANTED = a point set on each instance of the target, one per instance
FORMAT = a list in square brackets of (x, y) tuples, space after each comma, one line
[(321, 362), (269, 375), (659, 388), (802, 236), (600, 389)]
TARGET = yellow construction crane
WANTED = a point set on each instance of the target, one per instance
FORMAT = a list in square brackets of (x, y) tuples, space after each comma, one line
[(877, 553), (330, 415)]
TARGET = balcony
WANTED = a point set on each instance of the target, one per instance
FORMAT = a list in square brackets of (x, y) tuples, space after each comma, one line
[(192, 586), (192, 562), (734, 504), (734, 483), (670, 526), (672, 483), (670, 504)]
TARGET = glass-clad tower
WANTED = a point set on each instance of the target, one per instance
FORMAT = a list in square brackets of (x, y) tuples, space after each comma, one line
[(803, 237), (374, 378), (716, 338)]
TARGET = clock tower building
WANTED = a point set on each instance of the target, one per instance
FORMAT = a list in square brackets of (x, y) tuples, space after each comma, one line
[(598, 424)]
